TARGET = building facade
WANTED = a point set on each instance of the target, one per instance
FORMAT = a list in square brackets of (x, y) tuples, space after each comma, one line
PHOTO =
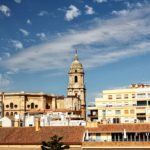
[(127, 105), (19, 103)]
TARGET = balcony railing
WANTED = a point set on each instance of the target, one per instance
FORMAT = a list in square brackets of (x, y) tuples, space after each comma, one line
[(93, 116), (91, 105)]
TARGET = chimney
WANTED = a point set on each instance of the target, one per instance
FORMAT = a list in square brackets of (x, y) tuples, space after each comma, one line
[(37, 124)]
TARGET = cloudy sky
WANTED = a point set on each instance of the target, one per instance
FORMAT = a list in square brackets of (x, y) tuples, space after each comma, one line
[(38, 39)]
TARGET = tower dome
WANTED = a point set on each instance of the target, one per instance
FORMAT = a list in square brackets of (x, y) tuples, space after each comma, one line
[(76, 66)]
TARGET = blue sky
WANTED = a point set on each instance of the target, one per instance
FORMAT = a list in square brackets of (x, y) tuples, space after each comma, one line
[(38, 39)]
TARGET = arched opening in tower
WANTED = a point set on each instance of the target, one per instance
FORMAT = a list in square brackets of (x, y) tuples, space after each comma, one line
[(75, 79)]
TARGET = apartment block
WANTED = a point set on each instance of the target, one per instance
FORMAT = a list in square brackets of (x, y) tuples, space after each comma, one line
[(123, 105)]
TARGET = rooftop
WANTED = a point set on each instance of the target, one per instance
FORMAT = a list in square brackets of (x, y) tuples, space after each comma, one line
[(112, 128), (28, 136)]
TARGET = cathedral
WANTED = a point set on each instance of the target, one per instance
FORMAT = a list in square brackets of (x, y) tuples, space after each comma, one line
[(75, 101)]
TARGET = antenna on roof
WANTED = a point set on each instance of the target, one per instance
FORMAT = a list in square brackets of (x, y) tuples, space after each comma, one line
[(76, 55), (76, 52)]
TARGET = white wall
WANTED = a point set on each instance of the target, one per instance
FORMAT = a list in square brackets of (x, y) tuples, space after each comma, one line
[(6, 122)]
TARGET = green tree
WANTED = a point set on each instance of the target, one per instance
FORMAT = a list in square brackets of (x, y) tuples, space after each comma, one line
[(54, 144)]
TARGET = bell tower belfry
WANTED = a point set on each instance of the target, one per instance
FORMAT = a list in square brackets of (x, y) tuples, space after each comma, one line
[(76, 86)]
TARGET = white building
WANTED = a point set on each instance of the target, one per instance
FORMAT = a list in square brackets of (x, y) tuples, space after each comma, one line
[(6, 122), (54, 119), (126, 105)]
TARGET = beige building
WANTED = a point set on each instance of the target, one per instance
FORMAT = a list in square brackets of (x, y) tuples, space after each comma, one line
[(126, 105), (21, 102)]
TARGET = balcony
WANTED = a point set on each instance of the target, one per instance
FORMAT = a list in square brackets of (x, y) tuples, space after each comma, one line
[(93, 116), (91, 105)]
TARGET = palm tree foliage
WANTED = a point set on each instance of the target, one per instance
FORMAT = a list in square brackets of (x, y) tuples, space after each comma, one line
[(54, 144)]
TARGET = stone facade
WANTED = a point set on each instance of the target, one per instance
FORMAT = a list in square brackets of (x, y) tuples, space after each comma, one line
[(22, 102), (76, 86)]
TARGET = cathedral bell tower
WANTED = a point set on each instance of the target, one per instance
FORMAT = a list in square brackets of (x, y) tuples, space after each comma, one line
[(76, 86)]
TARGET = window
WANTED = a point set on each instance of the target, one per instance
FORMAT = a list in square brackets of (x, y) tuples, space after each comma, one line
[(7, 106), (48, 106), (109, 96), (15, 113), (141, 103), (75, 79), (126, 112), (36, 106), (133, 95), (118, 96), (11, 105), (132, 111), (11, 113), (126, 103), (28, 106), (126, 96), (126, 120), (32, 105), (109, 112), (117, 112), (98, 137), (103, 112), (116, 120), (141, 95), (94, 113), (16, 106), (7, 113), (76, 94)]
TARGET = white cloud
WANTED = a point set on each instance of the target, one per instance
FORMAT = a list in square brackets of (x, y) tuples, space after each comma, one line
[(4, 82), (43, 13), (117, 38), (42, 36), (138, 4), (18, 1), (5, 10), (100, 1), (29, 21), (120, 12), (17, 44), (72, 13), (24, 32), (4, 55), (122, 53), (7, 55), (128, 4), (89, 10), (133, 5)]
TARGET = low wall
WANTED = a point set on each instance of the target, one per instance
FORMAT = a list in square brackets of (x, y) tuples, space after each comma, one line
[(31, 147)]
